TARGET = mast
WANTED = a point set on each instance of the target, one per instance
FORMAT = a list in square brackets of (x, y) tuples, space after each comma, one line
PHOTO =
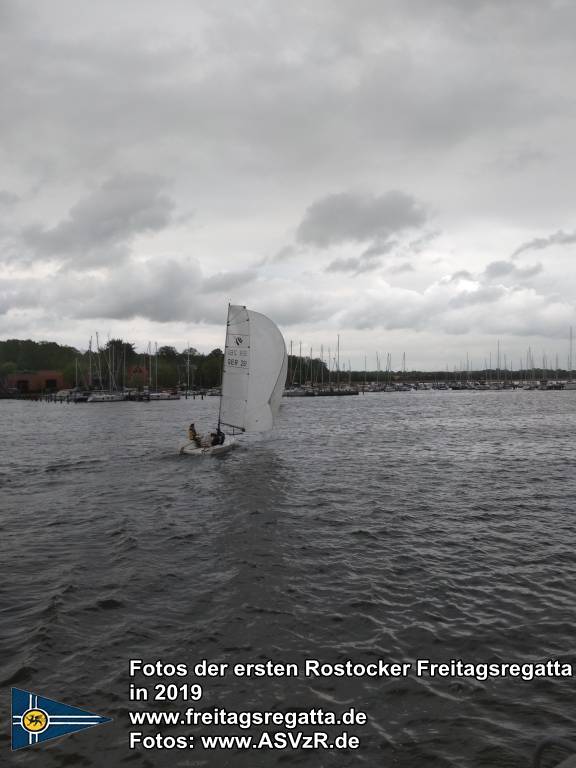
[(99, 361), (223, 368), (570, 365), (112, 366), (149, 366), (156, 361), (338, 363), (188, 371), (90, 362)]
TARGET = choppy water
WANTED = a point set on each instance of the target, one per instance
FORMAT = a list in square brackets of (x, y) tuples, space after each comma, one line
[(403, 526)]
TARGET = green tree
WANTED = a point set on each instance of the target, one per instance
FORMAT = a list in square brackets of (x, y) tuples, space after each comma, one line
[(168, 352)]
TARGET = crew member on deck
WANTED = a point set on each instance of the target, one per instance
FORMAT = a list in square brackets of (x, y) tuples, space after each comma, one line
[(217, 437), (193, 436)]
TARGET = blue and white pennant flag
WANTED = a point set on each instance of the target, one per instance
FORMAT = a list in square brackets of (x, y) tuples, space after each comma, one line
[(36, 718)]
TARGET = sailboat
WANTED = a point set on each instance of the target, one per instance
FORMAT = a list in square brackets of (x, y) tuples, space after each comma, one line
[(253, 377)]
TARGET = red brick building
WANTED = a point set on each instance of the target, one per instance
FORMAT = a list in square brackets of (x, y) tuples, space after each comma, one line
[(37, 381)]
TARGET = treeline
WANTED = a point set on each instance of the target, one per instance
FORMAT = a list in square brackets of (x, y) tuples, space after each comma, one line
[(117, 364), (17, 355)]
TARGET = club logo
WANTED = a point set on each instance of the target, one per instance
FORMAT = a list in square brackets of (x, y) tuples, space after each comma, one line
[(238, 340), (36, 718)]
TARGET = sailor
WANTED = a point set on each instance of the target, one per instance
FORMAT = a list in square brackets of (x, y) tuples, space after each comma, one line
[(217, 437), (193, 436), (205, 441)]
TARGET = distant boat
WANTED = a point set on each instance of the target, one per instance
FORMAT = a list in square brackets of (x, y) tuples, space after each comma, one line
[(298, 392), (106, 397), (72, 395), (163, 396), (253, 377)]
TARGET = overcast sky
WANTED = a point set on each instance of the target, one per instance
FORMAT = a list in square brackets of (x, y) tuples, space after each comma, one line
[(399, 172)]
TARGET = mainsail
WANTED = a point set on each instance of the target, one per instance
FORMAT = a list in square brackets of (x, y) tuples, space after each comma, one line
[(254, 371)]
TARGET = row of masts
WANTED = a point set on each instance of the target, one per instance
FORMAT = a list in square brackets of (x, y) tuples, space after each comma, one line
[(107, 367), (330, 372), (307, 370), (108, 373)]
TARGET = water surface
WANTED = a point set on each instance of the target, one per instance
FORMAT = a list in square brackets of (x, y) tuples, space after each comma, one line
[(403, 525)]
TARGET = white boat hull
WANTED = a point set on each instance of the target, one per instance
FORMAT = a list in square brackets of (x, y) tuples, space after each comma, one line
[(191, 449), (106, 397)]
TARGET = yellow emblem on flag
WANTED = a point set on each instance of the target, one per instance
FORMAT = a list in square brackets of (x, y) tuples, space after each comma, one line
[(35, 720)]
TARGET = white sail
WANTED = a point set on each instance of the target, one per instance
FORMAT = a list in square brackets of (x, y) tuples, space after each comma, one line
[(254, 371)]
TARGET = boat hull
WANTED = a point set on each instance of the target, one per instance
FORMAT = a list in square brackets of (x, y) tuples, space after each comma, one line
[(191, 449)]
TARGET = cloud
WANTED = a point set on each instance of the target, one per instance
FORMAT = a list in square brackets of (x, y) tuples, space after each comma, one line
[(160, 290), (506, 269), (400, 269), (224, 281), (379, 249), (353, 264), (539, 243), (420, 244), (520, 159), (7, 199), (446, 308), (485, 294), (462, 274), (99, 228), (348, 217), (253, 113), (285, 253)]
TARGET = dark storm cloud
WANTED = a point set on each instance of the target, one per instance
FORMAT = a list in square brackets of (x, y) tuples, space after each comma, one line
[(100, 226), (539, 243), (348, 217)]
